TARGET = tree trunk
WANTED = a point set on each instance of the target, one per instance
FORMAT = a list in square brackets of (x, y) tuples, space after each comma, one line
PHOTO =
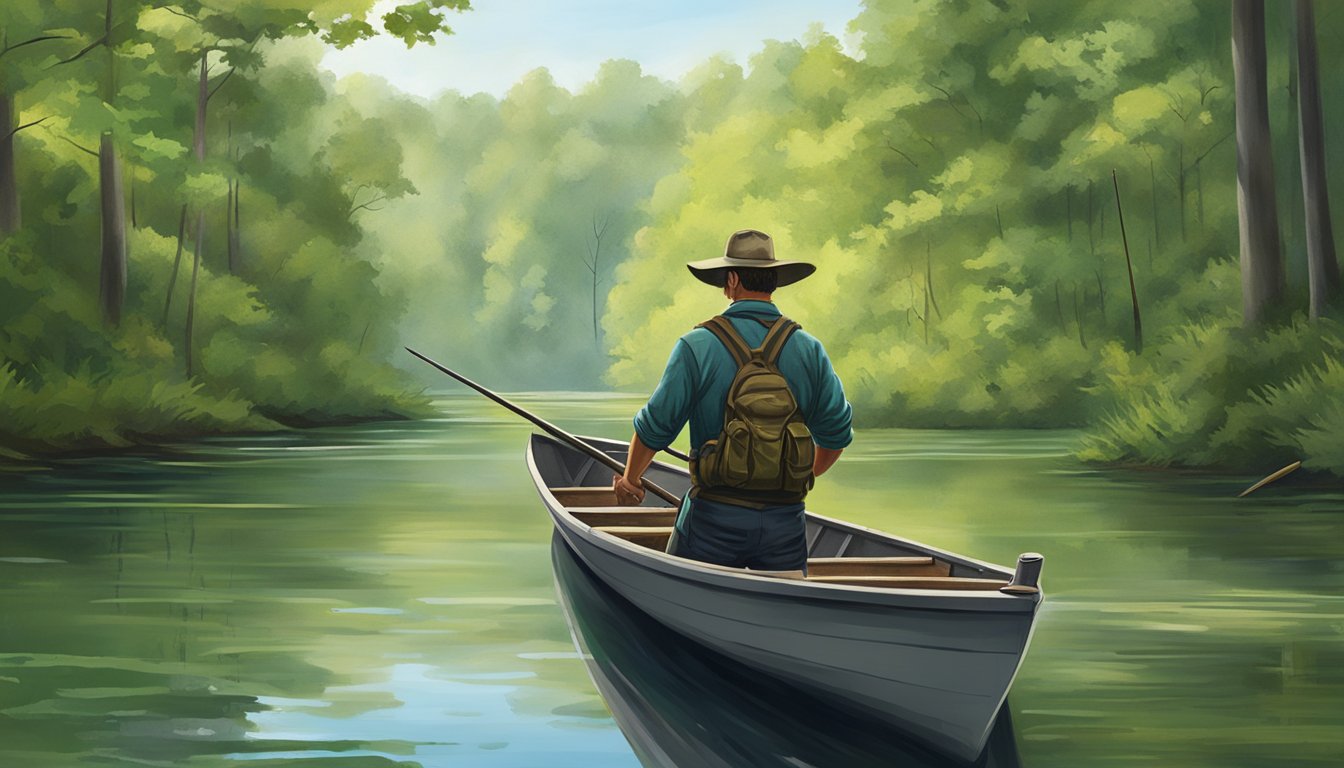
[(112, 276), (10, 217), (191, 292), (928, 277), (1129, 265), (228, 229), (1262, 279), (235, 234), (1157, 230), (1322, 263), (231, 211), (177, 262), (202, 97), (198, 150), (1078, 316), (1068, 209), (1180, 186)]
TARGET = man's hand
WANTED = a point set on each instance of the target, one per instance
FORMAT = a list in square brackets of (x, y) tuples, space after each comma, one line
[(627, 494)]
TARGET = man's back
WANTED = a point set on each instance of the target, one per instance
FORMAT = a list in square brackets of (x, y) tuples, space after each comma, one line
[(702, 369), (724, 522)]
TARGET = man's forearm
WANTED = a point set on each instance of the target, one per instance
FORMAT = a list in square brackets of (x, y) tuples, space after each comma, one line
[(824, 458), (637, 460)]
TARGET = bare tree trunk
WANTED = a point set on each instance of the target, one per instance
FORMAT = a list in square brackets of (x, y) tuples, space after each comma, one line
[(1262, 279), (177, 262), (236, 233), (230, 209), (1059, 310), (10, 217), (1068, 209), (198, 149), (1157, 231), (928, 277), (112, 276), (1322, 263), (1078, 315), (1129, 264), (202, 96), (191, 293), (1180, 186)]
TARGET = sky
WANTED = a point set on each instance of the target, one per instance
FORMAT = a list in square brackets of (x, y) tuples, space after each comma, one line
[(499, 41)]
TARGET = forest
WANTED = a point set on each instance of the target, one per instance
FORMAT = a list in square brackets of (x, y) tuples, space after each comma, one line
[(1112, 217)]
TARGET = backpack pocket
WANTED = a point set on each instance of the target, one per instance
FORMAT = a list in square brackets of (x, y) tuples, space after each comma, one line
[(735, 459), (704, 463), (799, 454)]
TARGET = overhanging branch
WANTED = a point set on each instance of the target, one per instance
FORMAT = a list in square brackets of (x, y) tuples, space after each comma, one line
[(102, 40), (21, 127), (39, 39)]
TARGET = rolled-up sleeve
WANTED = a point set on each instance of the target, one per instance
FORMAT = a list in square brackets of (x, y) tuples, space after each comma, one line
[(660, 421), (830, 421)]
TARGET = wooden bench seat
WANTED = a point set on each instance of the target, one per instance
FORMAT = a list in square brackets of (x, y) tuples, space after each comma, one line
[(626, 516), (876, 566), (643, 535), (586, 496), (911, 582)]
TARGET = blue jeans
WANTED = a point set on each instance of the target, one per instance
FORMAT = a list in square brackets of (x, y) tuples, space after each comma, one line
[(770, 539)]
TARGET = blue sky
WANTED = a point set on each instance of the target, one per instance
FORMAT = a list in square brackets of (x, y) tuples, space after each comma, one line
[(501, 40)]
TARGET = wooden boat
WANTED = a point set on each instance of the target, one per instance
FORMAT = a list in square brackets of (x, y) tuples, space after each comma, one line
[(920, 638), (681, 704)]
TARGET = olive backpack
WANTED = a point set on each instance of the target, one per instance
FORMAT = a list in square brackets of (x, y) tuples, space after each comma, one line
[(764, 452)]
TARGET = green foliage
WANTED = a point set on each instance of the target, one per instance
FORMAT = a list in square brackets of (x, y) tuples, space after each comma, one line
[(1215, 395), (292, 329), (952, 179)]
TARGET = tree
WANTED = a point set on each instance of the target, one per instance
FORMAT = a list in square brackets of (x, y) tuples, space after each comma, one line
[(1262, 279), (10, 212), (593, 263), (1322, 265)]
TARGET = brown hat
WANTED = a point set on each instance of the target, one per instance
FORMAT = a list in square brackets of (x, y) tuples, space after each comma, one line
[(749, 249)]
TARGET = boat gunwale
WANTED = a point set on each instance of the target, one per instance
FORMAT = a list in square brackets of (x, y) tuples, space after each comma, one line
[(746, 581)]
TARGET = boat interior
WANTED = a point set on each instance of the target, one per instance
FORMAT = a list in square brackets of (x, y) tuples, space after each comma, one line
[(835, 555)]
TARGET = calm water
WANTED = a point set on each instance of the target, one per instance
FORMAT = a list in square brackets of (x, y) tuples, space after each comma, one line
[(386, 595)]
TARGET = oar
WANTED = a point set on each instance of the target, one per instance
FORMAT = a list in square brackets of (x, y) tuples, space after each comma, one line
[(552, 430)]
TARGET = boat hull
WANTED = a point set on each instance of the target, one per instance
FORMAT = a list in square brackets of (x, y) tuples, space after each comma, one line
[(937, 666)]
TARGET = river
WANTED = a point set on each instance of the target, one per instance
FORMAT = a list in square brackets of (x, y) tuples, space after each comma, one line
[(387, 594)]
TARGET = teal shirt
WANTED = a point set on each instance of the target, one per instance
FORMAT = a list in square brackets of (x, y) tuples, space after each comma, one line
[(695, 384)]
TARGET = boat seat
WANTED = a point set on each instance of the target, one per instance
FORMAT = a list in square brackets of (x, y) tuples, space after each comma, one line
[(643, 535), (912, 582), (625, 516), (586, 496), (877, 566)]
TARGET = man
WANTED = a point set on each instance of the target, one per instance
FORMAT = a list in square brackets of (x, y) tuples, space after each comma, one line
[(742, 526)]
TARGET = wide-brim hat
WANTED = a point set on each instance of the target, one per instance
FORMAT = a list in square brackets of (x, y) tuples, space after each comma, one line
[(749, 249)]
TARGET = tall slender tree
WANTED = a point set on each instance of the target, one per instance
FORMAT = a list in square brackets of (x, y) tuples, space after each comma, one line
[(10, 211), (1322, 263), (1262, 279)]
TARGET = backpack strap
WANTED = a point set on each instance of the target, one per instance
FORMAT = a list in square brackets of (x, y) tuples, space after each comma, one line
[(723, 328), (775, 339)]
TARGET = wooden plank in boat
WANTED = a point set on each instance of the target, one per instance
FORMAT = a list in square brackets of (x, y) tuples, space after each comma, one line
[(644, 536), (591, 496), (911, 582), (625, 516), (876, 566)]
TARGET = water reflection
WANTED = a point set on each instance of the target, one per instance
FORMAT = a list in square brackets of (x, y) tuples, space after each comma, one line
[(683, 705)]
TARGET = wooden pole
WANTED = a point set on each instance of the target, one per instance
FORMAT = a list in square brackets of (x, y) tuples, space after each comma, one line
[(553, 430)]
